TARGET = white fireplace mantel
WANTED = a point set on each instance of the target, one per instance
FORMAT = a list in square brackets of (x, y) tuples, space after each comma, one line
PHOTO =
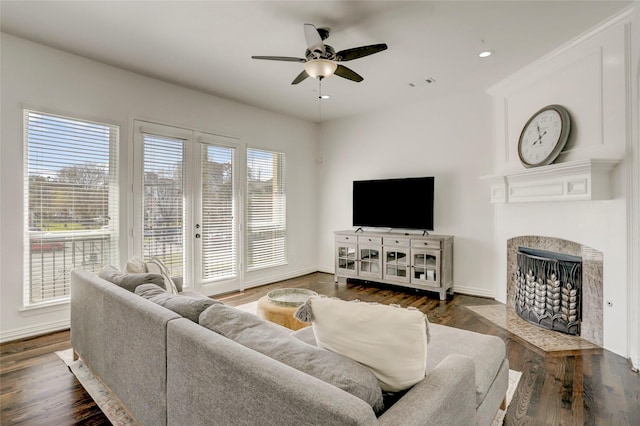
[(571, 181)]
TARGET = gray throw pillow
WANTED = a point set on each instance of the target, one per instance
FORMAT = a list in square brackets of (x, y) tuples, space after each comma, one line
[(277, 343), (129, 281), (189, 307)]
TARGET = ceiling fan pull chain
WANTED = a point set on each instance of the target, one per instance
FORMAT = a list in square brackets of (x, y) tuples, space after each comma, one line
[(319, 100)]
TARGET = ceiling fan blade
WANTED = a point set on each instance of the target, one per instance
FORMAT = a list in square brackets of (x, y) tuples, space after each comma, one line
[(347, 73), (314, 40), (359, 52), (280, 58), (303, 75)]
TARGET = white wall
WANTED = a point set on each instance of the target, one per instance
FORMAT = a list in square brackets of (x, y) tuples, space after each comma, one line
[(36, 76), (589, 76), (633, 255), (450, 139)]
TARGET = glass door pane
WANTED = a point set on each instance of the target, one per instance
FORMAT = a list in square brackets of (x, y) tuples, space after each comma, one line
[(163, 191), (396, 264), (370, 261), (425, 266), (218, 236), (347, 258)]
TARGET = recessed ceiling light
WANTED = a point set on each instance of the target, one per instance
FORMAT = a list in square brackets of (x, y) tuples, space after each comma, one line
[(485, 53), (324, 96)]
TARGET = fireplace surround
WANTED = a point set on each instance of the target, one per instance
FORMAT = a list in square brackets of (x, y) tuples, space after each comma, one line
[(591, 324)]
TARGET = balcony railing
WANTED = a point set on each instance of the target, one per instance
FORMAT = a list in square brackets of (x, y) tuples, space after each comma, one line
[(51, 259)]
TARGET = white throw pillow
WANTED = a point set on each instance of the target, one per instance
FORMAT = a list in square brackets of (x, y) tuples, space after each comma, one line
[(390, 340), (135, 265), (155, 266)]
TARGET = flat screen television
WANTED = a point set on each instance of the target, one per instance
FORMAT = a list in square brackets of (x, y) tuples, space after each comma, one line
[(405, 203)]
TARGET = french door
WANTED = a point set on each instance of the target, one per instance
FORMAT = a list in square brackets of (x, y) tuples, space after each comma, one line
[(186, 204)]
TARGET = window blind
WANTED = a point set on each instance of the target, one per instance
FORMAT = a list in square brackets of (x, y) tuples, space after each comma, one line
[(163, 205), (219, 245), (266, 209), (70, 201)]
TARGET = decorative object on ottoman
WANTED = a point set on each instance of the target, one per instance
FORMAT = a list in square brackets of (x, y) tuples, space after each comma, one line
[(279, 306)]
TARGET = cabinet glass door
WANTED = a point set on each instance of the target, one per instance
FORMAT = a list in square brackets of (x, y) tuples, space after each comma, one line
[(425, 266), (370, 262), (396, 264), (346, 259)]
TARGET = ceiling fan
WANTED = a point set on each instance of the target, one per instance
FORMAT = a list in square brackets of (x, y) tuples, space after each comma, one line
[(320, 59)]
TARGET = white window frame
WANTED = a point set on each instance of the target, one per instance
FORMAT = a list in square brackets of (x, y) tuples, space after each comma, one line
[(280, 259), (77, 246)]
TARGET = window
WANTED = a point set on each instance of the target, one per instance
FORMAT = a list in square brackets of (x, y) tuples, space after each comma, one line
[(71, 202), (266, 209)]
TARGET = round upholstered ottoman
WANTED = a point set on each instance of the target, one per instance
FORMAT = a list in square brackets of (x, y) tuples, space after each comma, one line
[(279, 306)]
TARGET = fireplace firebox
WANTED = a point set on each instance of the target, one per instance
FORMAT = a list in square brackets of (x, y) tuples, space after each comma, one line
[(548, 289)]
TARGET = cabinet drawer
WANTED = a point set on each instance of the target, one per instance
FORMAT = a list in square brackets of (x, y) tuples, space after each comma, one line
[(363, 239), (398, 242), (346, 239), (434, 244)]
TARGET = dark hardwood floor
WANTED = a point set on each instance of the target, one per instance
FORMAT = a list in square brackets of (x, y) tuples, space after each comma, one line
[(594, 387)]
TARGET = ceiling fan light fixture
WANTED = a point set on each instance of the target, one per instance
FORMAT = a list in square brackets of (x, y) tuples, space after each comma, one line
[(320, 68)]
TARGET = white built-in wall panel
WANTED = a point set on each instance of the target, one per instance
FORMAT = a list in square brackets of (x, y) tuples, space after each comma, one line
[(590, 77)]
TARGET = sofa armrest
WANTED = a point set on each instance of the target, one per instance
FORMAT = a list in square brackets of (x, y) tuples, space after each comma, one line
[(446, 396)]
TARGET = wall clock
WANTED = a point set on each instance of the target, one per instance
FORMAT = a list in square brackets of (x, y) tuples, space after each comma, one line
[(544, 136)]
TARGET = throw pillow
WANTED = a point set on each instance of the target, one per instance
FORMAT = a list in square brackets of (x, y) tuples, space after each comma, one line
[(277, 343), (135, 265), (129, 281), (189, 307), (390, 340), (156, 266)]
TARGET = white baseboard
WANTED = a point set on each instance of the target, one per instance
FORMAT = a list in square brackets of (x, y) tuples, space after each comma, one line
[(473, 291), (280, 277), (34, 330), (326, 269)]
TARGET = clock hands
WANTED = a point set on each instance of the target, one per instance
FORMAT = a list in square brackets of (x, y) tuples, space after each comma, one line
[(539, 135)]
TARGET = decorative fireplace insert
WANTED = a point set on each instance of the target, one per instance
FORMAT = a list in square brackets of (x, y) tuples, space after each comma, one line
[(548, 289)]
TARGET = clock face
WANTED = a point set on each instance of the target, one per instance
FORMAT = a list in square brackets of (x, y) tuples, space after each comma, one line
[(544, 136)]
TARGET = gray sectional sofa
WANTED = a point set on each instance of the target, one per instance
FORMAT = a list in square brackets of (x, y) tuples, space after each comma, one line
[(168, 370)]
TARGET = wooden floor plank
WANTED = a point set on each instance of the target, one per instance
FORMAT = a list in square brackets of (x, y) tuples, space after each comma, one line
[(591, 387)]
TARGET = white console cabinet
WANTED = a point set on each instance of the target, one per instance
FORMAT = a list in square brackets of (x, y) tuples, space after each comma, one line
[(408, 260)]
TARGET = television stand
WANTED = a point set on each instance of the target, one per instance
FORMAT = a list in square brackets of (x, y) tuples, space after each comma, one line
[(416, 261)]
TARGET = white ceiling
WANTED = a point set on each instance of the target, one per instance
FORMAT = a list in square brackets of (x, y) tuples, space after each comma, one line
[(207, 45)]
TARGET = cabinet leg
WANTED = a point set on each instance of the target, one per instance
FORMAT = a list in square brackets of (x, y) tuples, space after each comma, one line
[(443, 294)]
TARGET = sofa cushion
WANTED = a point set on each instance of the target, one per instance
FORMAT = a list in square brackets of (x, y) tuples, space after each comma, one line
[(189, 307), (487, 353), (129, 281), (390, 340), (277, 343)]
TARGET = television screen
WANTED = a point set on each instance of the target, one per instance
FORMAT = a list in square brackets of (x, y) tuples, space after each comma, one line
[(394, 203)]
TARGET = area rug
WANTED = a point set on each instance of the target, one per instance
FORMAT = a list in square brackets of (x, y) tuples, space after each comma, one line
[(546, 340), (118, 415), (99, 392)]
